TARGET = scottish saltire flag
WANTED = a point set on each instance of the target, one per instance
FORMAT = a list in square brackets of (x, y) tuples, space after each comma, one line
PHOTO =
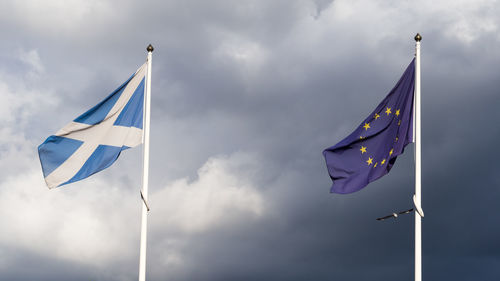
[(370, 151), (94, 140)]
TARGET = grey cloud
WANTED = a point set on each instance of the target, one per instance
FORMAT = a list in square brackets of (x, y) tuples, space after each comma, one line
[(279, 81)]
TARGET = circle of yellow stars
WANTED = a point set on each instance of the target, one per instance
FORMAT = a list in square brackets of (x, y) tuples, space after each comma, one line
[(366, 126)]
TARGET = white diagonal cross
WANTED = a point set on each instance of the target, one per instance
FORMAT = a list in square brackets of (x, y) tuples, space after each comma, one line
[(104, 133)]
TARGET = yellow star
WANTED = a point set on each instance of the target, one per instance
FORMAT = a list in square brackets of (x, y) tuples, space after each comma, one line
[(376, 116), (390, 152), (397, 112), (388, 111), (363, 149), (374, 166), (366, 126), (396, 139), (369, 161), (361, 137), (383, 162), (399, 123)]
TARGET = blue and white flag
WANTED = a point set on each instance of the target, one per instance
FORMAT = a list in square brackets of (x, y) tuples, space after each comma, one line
[(94, 140)]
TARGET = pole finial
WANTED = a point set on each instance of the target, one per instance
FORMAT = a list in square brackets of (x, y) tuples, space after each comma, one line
[(150, 48), (418, 37)]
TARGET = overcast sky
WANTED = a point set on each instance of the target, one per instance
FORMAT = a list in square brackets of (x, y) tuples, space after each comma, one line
[(245, 96)]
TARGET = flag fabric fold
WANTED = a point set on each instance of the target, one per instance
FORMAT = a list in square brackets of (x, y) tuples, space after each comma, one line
[(370, 151), (95, 139)]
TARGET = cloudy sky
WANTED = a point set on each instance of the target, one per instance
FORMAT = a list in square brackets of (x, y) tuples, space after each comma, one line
[(245, 96)]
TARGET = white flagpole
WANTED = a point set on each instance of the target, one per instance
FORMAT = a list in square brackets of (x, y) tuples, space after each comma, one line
[(417, 198), (145, 172)]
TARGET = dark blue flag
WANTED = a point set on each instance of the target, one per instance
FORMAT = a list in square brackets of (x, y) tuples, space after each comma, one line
[(370, 151)]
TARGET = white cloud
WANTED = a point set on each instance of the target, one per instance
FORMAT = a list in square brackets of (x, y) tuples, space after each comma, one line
[(32, 58), (20, 104), (223, 191), (374, 21), (462, 19), (54, 15), (249, 52), (85, 224), (20, 100), (97, 222), (78, 224), (246, 54)]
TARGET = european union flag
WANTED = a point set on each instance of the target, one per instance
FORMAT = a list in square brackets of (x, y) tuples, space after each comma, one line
[(370, 151)]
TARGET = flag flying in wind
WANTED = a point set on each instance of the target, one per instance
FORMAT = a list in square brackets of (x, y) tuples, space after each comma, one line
[(94, 140), (370, 151)]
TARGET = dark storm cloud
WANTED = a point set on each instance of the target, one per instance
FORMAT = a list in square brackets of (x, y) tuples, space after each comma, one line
[(269, 79)]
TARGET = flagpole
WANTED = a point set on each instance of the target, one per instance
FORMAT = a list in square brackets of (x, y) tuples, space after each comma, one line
[(417, 198), (145, 171)]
